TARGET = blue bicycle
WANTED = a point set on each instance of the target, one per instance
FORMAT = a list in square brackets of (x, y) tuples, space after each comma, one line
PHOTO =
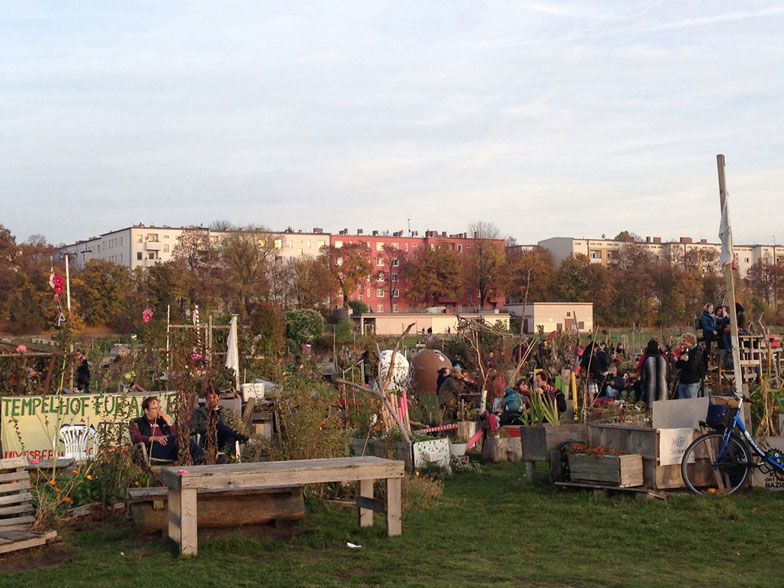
[(720, 462)]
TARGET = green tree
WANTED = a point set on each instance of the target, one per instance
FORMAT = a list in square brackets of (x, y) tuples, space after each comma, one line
[(303, 326), (309, 281)]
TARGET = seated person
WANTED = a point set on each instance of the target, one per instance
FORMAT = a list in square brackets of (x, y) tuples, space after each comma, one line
[(158, 433), (226, 435), (513, 406), (542, 386), (616, 384)]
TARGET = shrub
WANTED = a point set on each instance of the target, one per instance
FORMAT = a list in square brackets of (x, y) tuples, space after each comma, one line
[(303, 326)]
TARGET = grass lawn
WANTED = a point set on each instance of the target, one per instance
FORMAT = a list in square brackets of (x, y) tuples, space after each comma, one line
[(489, 528)]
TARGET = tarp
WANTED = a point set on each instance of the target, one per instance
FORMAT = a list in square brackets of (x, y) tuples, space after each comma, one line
[(232, 352)]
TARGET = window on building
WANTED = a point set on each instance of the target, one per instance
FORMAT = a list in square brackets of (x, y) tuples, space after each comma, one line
[(152, 237), (379, 246), (468, 298), (166, 247), (395, 277), (395, 262), (381, 276), (414, 254), (581, 325), (395, 246), (596, 254), (459, 248), (368, 292), (278, 244), (380, 308), (151, 255), (395, 293), (139, 238), (379, 292), (568, 313), (338, 244), (406, 246), (339, 261), (320, 244), (299, 251), (395, 308), (308, 243), (165, 237), (291, 244), (468, 245), (379, 261), (139, 255)]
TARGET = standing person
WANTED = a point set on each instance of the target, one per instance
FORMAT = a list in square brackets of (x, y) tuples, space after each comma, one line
[(620, 350), (226, 435), (690, 365), (156, 430), (709, 331), (491, 361), (82, 373)]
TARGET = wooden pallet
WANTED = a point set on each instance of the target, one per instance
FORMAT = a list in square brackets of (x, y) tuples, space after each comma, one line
[(16, 508), (603, 490)]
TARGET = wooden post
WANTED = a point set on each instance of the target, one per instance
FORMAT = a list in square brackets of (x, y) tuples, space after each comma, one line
[(175, 519), (189, 544), (394, 506), (365, 514), (737, 369)]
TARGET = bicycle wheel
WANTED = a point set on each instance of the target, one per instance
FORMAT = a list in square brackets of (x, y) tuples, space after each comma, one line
[(711, 466)]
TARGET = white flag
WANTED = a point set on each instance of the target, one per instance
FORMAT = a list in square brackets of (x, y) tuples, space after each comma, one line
[(725, 233)]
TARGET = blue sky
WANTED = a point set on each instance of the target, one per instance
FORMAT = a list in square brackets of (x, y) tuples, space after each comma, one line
[(545, 118)]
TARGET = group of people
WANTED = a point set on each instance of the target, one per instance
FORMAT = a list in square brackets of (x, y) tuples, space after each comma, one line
[(510, 402), (715, 325), (159, 433), (452, 385)]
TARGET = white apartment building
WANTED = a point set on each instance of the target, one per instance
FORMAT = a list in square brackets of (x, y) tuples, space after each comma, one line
[(604, 251), (144, 246)]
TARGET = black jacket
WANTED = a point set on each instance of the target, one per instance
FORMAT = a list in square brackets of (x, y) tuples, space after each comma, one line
[(690, 370)]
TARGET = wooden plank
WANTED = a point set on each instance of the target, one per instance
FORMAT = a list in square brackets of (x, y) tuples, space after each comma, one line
[(281, 473), (174, 515), (189, 543), (147, 494), (616, 470), (20, 474), (14, 486), (15, 498), (372, 504), (16, 523), (394, 506), (26, 544), (22, 508), (365, 493), (13, 463)]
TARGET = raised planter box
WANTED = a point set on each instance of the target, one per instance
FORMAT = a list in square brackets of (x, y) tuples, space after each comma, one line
[(540, 440), (623, 471)]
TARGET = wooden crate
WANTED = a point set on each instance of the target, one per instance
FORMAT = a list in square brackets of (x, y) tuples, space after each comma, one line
[(623, 471), (540, 440)]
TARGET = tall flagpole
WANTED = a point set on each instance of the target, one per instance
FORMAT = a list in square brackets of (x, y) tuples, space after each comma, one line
[(728, 261)]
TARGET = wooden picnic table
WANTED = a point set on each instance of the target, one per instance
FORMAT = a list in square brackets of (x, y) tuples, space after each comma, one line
[(184, 482)]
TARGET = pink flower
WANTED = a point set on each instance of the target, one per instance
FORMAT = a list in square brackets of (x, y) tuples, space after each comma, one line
[(147, 315), (21, 348), (59, 284)]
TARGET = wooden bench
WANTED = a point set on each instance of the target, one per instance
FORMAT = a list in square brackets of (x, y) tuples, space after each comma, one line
[(220, 508), (16, 508), (184, 483)]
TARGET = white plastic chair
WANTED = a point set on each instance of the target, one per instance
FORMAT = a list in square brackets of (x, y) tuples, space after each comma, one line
[(75, 439)]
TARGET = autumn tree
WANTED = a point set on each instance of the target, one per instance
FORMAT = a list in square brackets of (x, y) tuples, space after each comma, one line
[(102, 289), (245, 259), (632, 274), (485, 260), (308, 281), (349, 265), (529, 272), (389, 272), (9, 270), (572, 280), (437, 273), (197, 255)]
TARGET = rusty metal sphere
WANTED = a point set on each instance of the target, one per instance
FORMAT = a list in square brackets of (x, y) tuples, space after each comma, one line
[(424, 370)]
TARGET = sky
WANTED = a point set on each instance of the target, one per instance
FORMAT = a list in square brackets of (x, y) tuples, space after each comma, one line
[(545, 118)]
